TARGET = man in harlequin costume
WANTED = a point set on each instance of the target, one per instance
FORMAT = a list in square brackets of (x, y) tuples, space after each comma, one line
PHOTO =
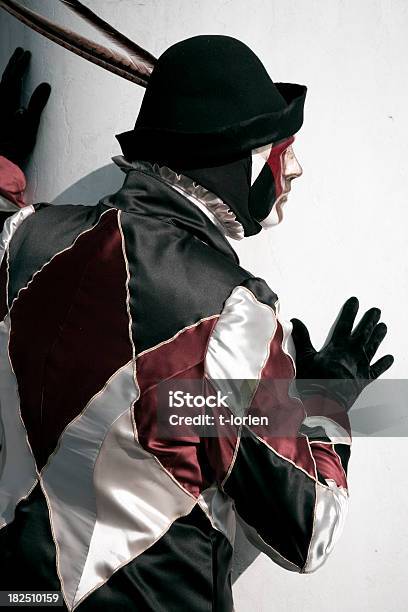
[(100, 304)]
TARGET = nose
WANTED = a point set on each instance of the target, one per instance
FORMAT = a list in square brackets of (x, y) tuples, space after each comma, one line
[(291, 167)]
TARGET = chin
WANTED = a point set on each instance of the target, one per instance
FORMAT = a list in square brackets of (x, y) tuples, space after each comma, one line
[(276, 215)]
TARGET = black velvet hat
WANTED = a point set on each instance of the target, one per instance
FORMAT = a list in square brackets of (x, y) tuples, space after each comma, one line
[(209, 100)]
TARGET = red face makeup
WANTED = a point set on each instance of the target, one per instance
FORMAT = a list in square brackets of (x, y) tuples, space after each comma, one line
[(276, 164)]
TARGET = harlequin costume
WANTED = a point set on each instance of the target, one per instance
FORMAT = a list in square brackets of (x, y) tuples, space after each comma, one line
[(100, 304)]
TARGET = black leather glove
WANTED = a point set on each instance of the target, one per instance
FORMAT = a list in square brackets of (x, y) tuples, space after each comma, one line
[(341, 369), (18, 125)]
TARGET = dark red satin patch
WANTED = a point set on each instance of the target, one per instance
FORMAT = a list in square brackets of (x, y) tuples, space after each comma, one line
[(177, 355), (180, 454), (275, 163), (70, 333), (193, 461), (284, 420), (329, 463)]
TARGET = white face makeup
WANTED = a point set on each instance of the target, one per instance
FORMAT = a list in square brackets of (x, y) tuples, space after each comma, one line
[(290, 169)]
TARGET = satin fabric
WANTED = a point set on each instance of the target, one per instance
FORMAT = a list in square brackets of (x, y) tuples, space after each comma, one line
[(231, 357), (331, 509), (176, 274), (18, 473), (10, 226)]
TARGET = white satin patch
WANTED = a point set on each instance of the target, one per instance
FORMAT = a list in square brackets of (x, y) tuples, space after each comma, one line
[(239, 347), (330, 514), (10, 226), (109, 499), (18, 474), (68, 478)]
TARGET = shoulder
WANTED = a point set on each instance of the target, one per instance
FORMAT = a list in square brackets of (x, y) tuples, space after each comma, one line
[(251, 306), (37, 233), (50, 227), (261, 291)]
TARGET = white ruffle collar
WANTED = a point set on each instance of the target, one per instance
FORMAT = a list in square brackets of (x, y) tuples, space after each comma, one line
[(217, 210)]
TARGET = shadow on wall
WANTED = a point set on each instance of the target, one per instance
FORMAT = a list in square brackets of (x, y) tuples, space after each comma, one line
[(89, 190)]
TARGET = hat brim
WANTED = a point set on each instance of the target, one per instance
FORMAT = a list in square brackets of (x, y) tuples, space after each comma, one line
[(189, 150)]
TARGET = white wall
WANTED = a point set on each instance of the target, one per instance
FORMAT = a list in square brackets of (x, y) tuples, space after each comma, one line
[(345, 231)]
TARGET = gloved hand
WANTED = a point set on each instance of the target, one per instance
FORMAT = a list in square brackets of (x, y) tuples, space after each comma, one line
[(341, 369), (18, 125)]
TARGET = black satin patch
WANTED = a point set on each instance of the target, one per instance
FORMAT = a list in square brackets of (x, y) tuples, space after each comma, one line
[(343, 451), (181, 267), (281, 510), (27, 550)]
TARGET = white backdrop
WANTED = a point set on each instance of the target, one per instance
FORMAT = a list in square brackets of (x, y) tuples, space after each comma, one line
[(345, 226)]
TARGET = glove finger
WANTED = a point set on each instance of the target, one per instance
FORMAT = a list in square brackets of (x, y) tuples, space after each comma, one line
[(345, 321), (381, 365), (13, 84), (364, 329), (18, 52), (37, 103), (378, 334), (20, 65), (301, 338)]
